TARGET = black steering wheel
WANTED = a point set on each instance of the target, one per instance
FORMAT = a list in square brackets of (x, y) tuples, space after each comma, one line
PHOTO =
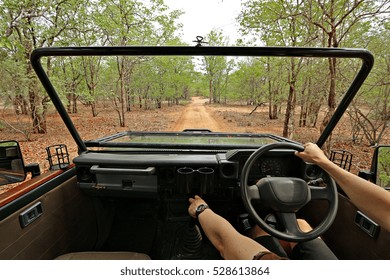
[(286, 196)]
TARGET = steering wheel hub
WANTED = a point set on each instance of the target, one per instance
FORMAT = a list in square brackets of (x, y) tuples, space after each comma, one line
[(284, 194)]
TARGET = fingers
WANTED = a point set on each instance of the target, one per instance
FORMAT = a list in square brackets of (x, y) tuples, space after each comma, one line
[(308, 145), (305, 146), (193, 204), (195, 198)]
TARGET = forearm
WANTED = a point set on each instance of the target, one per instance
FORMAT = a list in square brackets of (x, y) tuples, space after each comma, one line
[(231, 244), (368, 197), (216, 228)]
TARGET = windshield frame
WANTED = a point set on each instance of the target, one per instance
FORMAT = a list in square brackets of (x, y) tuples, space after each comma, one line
[(363, 54), (180, 140)]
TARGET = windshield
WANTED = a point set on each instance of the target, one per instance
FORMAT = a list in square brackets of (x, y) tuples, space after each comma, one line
[(199, 96), (189, 138)]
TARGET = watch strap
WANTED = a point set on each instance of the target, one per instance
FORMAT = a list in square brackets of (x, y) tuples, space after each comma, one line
[(200, 208)]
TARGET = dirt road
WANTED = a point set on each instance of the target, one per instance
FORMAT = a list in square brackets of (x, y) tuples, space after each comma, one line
[(196, 116)]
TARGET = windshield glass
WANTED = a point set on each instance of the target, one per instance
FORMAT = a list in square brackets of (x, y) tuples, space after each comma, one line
[(189, 138)]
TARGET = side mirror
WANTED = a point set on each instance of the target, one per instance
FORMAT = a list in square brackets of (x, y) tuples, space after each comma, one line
[(11, 163), (381, 166)]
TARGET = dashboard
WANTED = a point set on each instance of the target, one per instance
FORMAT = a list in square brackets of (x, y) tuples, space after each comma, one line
[(172, 174)]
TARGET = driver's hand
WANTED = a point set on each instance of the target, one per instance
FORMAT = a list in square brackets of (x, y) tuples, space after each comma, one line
[(312, 154), (194, 203)]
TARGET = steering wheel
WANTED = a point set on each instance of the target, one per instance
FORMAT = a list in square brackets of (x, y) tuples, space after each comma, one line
[(286, 196)]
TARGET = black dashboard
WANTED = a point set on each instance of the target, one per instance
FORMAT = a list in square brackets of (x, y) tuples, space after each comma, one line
[(175, 174)]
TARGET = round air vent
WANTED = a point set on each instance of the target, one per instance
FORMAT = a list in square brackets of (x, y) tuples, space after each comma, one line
[(228, 170)]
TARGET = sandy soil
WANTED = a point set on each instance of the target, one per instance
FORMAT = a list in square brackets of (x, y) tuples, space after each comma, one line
[(197, 116)]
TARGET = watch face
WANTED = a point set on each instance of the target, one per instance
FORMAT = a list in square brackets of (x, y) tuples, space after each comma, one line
[(200, 209)]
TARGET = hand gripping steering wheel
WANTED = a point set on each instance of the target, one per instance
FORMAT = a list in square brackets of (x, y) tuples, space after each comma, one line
[(286, 196)]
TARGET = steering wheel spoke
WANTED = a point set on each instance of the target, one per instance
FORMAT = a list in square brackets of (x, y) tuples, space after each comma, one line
[(289, 222), (253, 193), (319, 192)]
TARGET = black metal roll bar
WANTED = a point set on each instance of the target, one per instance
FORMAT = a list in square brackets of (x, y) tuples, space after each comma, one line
[(366, 57)]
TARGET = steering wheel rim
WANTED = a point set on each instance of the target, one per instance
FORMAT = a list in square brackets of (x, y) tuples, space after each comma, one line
[(306, 194)]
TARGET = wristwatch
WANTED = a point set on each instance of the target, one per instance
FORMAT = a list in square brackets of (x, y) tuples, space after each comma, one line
[(200, 209)]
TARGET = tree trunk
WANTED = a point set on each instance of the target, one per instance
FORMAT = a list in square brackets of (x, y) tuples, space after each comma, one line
[(122, 121), (303, 113), (272, 93), (128, 101), (275, 114), (211, 90), (20, 105), (94, 109), (74, 108), (38, 120), (288, 127), (159, 103), (270, 101)]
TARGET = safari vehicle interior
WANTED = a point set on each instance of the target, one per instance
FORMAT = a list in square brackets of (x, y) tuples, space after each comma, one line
[(125, 196)]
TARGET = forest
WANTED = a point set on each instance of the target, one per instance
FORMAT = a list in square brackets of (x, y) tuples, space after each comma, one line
[(294, 90)]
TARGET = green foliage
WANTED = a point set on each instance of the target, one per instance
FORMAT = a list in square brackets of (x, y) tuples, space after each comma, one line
[(276, 23), (5, 43), (383, 167), (249, 81), (217, 68), (373, 105)]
